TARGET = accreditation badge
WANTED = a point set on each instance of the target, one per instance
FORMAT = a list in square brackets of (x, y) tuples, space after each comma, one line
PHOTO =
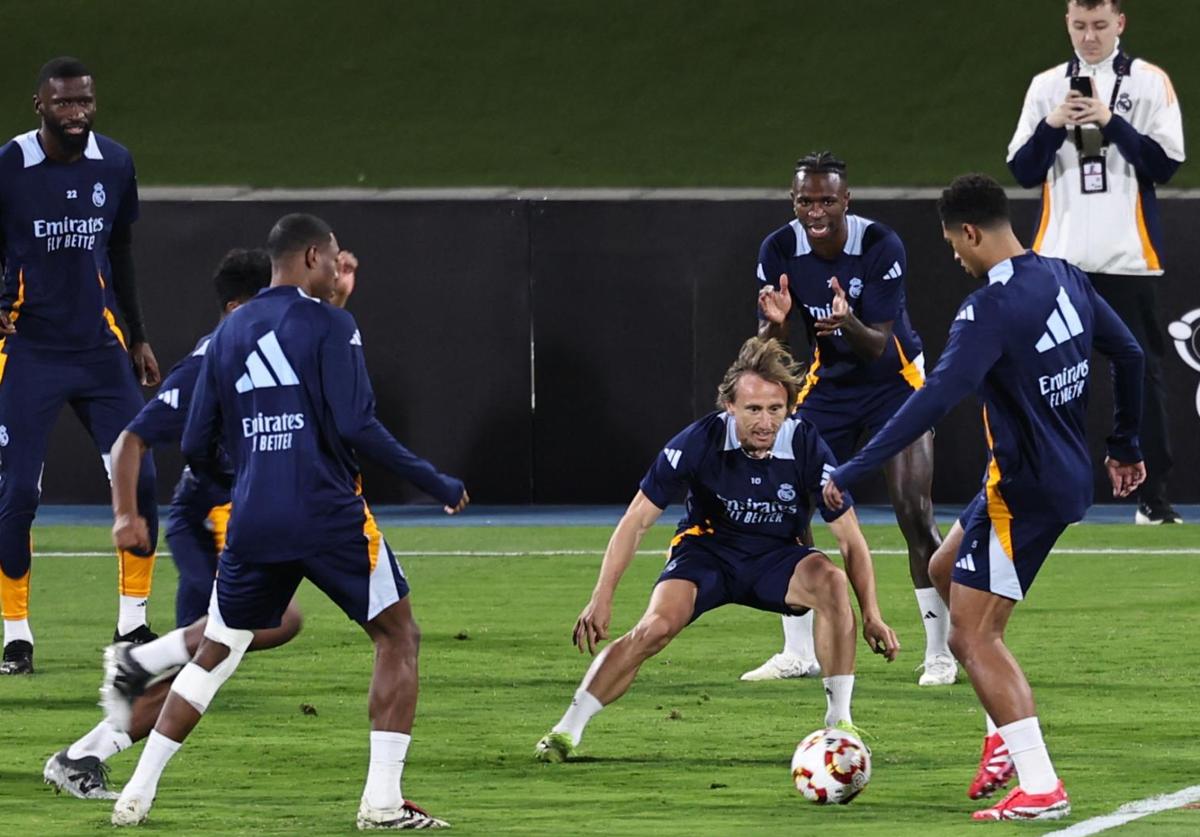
[(1093, 175)]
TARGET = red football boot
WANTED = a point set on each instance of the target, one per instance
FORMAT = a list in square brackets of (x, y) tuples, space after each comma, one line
[(1019, 805), (995, 768)]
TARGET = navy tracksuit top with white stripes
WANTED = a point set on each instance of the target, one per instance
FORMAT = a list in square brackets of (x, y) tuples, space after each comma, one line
[(1023, 342), (284, 391)]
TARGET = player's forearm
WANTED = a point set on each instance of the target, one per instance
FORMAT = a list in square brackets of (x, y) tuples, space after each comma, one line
[(377, 443), (125, 463), (860, 569), (868, 342), (1145, 155), (624, 543), (124, 282), (769, 329)]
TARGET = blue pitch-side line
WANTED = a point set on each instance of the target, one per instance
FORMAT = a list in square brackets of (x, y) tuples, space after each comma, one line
[(64, 515)]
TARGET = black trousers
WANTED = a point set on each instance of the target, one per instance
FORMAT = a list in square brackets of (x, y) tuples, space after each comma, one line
[(1135, 299)]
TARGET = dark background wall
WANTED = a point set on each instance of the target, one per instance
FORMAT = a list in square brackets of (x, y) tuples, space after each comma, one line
[(545, 350)]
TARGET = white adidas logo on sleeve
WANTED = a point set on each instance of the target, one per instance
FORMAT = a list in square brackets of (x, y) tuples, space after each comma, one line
[(1062, 324), (257, 375), (673, 456), (169, 397)]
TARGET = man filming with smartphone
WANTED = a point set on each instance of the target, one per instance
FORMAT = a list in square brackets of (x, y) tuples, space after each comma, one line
[(1097, 133)]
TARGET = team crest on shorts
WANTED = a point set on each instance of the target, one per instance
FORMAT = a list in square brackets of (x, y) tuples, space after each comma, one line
[(786, 492), (98, 196)]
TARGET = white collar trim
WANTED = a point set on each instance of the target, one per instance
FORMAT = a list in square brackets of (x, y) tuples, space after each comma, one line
[(32, 151)]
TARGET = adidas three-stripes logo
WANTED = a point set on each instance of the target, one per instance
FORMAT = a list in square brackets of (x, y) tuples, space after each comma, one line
[(1062, 324), (672, 456), (894, 272), (258, 376), (169, 397), (967, 313), (967, 562)]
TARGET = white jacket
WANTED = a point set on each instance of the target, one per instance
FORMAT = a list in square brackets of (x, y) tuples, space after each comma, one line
[(1117, 231)]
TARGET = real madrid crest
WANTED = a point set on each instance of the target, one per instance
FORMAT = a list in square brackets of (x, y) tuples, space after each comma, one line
[(786, 492), (98, 196)]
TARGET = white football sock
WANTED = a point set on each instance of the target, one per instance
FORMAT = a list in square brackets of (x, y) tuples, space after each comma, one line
[(131, 615), (150, 767), (936, 619), (798, 636), (1035, 773), (386, 769), (15, 629), (838, 690), (991, 725), (103, 741), (166, 652), (583, 707)]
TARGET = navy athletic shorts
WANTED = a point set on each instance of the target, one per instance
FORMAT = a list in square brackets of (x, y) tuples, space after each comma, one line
[(1002, 553), (724, 576), (362, 578), (846, 415)]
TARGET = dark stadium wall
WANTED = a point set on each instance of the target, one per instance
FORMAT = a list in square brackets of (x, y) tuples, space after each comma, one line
[(634, 309)]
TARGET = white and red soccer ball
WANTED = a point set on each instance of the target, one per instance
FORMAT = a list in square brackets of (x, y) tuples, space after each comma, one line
[(831, 766)]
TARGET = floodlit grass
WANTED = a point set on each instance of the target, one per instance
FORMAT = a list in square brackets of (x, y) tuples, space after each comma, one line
[(1105, 639)]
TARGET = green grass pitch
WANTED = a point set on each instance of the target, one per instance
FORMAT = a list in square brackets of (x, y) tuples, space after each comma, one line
[(1105, 639)]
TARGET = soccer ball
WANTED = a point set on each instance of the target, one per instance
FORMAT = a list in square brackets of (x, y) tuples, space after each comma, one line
[(831, 765)]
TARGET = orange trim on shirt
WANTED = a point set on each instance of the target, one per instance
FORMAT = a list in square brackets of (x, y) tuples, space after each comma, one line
[(1166, 80), (998, 510), (110, 319), (1045, 222), (810, 378), (373, 535), (217, 522), (909, 371), (1148, 251)]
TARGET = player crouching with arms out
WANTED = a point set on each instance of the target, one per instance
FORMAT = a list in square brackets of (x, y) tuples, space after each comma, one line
[(750, 470)]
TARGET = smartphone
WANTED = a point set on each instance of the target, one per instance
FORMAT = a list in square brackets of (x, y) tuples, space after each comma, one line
[(1083, 86)]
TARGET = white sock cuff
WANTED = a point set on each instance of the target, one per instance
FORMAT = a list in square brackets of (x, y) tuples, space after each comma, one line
[(15, 629), (586, 701), (166, 652), (929, 599), (1023, 735), (157, 739)]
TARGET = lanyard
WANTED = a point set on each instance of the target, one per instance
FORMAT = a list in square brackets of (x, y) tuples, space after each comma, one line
[(1121, 66)]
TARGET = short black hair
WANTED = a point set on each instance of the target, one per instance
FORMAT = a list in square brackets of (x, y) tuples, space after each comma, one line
[(296, 232), (242, 274), (973, 199), (62, 67), (821, 162)]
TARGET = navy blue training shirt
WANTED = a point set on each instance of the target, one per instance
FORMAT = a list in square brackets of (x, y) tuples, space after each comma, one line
[(748, 504), (161, 423), (870, 269), (284, 384), (1023, 342), (56, 221)]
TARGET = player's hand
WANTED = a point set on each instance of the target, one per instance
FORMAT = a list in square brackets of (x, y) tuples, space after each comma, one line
[(145, 364), (839, 315), (130, 532), (1089, 111), (463, 502), (1125, 476), (832, 495), (1065, 113), (592, 625), (881, 638), (347, 275), (774, 304), (6, 326)]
